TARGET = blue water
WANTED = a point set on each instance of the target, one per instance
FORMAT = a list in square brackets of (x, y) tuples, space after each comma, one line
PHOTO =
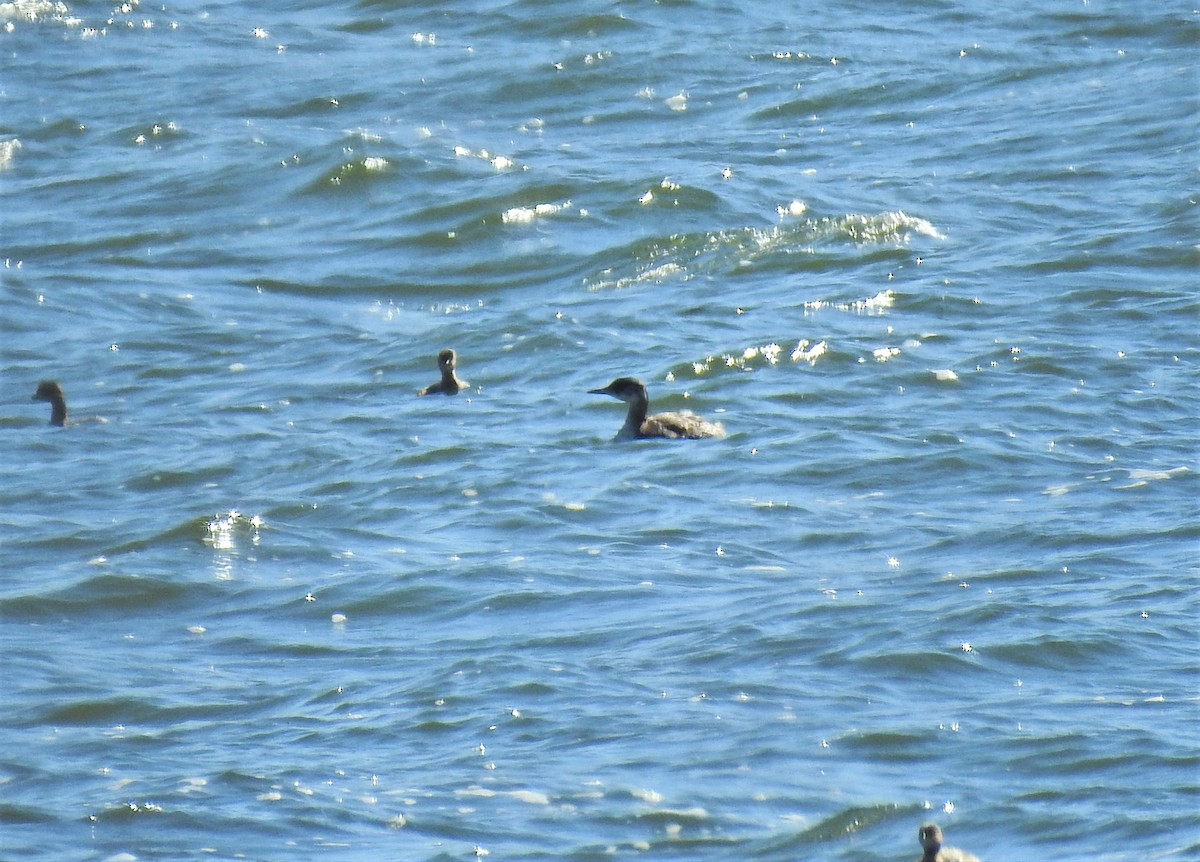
[(933, 265)]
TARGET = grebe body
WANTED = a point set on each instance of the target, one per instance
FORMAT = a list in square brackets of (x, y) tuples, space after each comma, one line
[(667, 426), (447, 361)]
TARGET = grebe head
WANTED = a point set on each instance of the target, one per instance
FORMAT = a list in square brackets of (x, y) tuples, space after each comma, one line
[(930, 836), (447, 360), (48, 390), (625, 389)]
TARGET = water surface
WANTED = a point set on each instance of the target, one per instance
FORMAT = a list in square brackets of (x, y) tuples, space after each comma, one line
[(933, 267)]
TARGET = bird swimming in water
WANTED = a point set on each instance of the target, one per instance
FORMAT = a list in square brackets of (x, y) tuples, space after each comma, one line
[(930, 836), (669, 426), (449, 384), (49, 390)]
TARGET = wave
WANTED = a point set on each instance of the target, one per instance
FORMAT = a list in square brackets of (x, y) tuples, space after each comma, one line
[(679, 257)]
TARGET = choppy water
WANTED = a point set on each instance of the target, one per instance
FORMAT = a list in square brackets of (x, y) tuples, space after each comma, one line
[(933, 265)]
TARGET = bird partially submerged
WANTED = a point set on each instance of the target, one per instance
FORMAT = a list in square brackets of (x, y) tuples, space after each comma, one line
[(670, 426), (447, 361), (930, 836), (49, 390)]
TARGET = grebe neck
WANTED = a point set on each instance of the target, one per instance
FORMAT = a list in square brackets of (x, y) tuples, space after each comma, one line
[(58, 412), (635, 418)]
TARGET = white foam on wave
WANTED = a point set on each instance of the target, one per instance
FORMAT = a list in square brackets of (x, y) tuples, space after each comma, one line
[(810, 353), (678, 102), (8, 150), (530, 797), (499, 162), (889, 227), (527, 215), (34, 11), (127, 15), (768, 354), (883, 299), (867, 229), (796, 234), (876, 304), (660, 272), (1140, 478)]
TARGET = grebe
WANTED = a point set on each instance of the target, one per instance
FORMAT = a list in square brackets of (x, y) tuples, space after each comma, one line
[(671, 426), (49, 390), (449, 384), (930, 836)]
